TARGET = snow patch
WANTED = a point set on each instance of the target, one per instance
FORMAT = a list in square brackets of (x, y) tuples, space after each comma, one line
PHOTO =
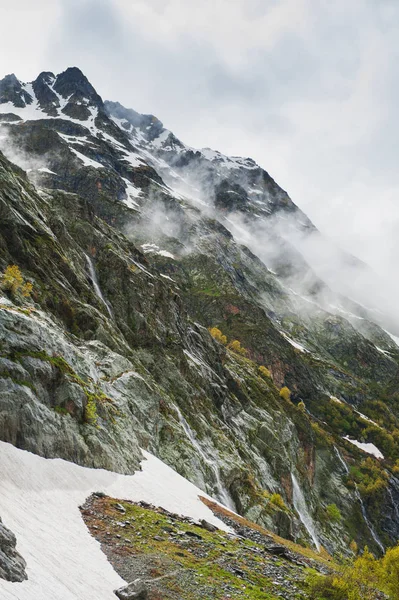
[(87, 162), (366, 447), (167, 277), (335, 399), (39, 500), (393, 337), (152, 248), (295, 344)]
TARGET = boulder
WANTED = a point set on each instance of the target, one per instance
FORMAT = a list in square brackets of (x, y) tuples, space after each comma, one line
[(136, 590)]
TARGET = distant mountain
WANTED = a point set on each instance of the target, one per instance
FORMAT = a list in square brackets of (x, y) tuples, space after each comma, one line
[(177, 306)]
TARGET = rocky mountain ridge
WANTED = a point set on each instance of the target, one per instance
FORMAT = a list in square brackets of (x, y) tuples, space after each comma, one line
[(137, 245)]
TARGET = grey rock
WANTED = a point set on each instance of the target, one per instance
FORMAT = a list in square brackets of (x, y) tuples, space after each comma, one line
[(136, 590), (12, 565), (208, 526)]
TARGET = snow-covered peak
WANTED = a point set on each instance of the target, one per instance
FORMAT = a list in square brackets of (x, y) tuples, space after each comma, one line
[(13, 91), (228, 162), (68, 94)]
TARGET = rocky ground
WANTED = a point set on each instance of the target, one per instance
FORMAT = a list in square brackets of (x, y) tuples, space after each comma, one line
[(174, 558)]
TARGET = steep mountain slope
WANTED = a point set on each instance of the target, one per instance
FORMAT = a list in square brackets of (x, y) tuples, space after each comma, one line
[(135, 245)]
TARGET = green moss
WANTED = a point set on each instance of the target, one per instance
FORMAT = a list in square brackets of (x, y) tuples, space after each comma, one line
[(95, 397), (17, 381), (61, 410), (91, 416), (333, 513)]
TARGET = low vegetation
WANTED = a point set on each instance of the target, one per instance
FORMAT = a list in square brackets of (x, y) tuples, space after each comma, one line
[(366, 578), (285, 393), (13, 282)]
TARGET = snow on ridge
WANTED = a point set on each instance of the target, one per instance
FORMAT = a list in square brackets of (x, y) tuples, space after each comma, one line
[(393, 337), (131, 192), (87, 162), (366, 418), (229, 162), (366, 447), (293, 343), (39, 500)]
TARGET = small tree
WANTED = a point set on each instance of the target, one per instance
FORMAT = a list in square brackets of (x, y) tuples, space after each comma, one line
[(236, 347), (218, 335), (354, 547), (285, 393), (13, 282), (277, 500), (265, 372), (390, 565)]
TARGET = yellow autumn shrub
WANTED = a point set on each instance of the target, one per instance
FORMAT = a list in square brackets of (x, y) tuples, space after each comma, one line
[(13, 281), (285, 393), (236, 347), (265, 372), (218, 335)]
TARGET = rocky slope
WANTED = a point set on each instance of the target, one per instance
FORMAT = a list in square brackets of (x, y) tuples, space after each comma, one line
[(167, 556), (135, 246)]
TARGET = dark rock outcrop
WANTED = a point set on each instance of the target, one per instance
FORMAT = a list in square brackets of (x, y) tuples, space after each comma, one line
[(12, 565)]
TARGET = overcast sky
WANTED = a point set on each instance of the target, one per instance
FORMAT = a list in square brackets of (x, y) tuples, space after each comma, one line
[(309, 88)]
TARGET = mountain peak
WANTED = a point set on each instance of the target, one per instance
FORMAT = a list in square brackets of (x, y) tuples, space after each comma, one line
[(72, 82), (11, 90)]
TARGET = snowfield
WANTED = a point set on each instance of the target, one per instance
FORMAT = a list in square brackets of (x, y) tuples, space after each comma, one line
[(39, 502)]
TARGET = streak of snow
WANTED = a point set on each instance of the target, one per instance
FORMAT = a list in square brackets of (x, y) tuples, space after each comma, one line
[(73, 139), (149, 247), (367, 418), (393, 337), (131, 192), (366, 447), (87, 162), (335, 399), (166, 254), (39, 500), (293, 343), (383, 351), (167, 277)]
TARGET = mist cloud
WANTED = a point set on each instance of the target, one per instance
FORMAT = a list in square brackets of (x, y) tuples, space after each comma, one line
[(307, 89)]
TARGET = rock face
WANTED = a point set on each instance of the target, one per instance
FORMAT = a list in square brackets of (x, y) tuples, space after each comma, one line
[(127, 237), (12, 565)]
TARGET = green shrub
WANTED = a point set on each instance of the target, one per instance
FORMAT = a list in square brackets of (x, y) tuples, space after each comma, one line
[(91, 415), (277, 500), (333, 513)]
